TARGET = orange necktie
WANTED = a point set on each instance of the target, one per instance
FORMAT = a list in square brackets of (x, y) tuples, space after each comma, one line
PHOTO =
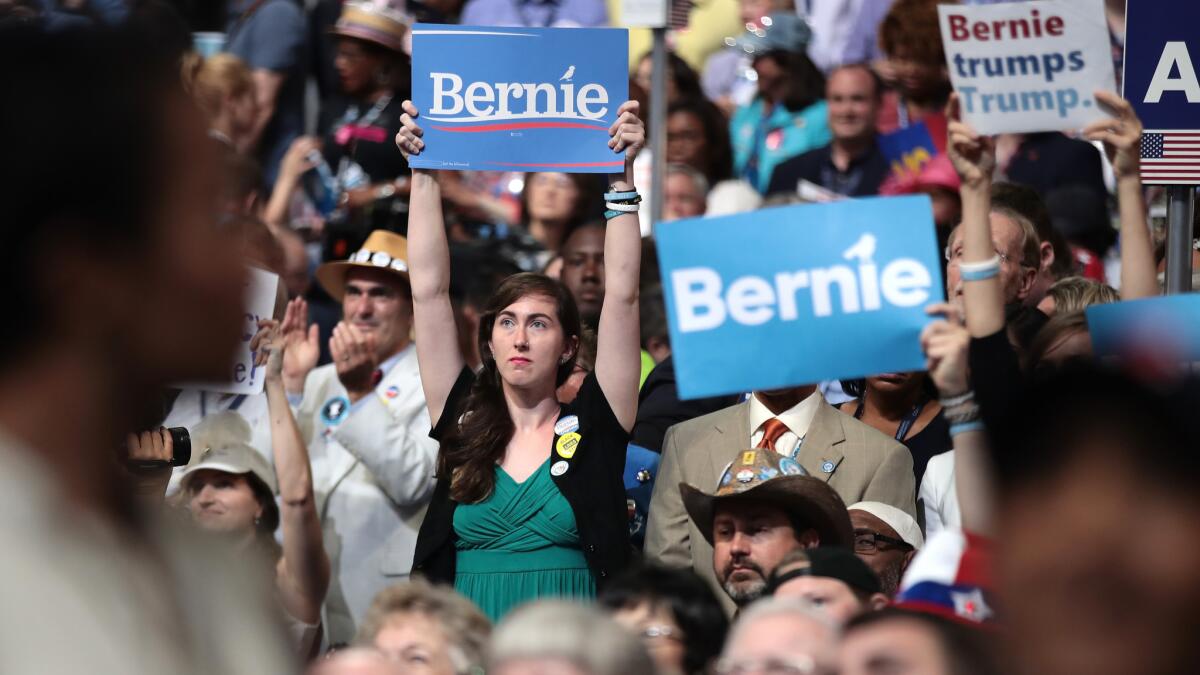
[(772, 430)]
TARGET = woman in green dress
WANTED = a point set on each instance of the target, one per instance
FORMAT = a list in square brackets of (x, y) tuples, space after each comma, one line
[(529, 500)]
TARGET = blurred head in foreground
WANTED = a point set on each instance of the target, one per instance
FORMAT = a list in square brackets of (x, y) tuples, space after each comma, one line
[(110, 252), (1100, 520), (426, 629), (561, 638)]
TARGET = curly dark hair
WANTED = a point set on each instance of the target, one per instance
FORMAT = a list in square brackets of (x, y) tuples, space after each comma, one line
[(470, 452), (719, 151), (690, 601)]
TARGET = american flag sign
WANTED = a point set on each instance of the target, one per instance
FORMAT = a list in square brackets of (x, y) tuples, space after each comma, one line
[(1171, 157)]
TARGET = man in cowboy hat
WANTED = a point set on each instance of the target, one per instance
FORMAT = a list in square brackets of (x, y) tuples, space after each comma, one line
[(365, 422), (765, 506)]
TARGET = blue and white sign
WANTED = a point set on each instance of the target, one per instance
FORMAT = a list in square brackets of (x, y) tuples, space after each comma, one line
[(520, 99), (1163, 329), (799, 294), (1162, 48), (1028, 66)]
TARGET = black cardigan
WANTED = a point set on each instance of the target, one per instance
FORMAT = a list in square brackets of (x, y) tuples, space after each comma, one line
[(592, 484)]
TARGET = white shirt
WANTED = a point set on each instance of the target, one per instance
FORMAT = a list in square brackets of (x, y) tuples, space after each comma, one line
[(798, 419), (939, 495)]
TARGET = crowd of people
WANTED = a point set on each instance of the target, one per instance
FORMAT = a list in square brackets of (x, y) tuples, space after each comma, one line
[(469, 453)]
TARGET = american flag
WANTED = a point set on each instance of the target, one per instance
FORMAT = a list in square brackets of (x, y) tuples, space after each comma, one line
[(681, 11), (1171, 158)]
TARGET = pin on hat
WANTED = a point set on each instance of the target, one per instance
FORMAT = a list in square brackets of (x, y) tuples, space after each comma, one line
[(383, 250), (758, 475)]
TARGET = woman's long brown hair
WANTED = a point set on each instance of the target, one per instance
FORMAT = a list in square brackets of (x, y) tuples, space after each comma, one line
[(470, 452)]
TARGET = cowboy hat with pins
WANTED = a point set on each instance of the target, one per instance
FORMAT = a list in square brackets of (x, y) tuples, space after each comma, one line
[(764, 476)]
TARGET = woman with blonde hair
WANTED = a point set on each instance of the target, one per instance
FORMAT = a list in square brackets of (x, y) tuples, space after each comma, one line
[(223, 89), (426, 627)]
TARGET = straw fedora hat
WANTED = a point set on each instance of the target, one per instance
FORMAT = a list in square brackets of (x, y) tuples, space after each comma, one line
[(763, 475), (383, 250), (382, 22)]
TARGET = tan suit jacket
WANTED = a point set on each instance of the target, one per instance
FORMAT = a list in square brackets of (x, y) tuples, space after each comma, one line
[(865, 465)]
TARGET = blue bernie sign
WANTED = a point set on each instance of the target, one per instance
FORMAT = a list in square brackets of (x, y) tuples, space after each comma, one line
[(520, 99), (1162, 50), (1162, 329), (799, 294)]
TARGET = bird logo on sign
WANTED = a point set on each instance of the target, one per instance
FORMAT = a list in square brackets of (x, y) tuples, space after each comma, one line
[(568, 75)]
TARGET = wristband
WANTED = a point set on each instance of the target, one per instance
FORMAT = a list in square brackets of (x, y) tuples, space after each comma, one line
[(618, 206), (621, 196), (956, 429), (979, 271), (610, 214)]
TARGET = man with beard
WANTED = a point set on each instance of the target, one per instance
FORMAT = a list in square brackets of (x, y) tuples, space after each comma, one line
[(764, 508), (583, 270), (366, 425), (886, 539), (808, 435)]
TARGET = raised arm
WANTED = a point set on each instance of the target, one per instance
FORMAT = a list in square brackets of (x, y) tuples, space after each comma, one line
[(429, 273), (295, 162), (1122, 137), (945, 343), (618, 343), (974, 158), (302, 575)]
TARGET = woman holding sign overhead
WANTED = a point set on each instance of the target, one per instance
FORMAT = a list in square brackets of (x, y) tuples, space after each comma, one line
[(529, 499)]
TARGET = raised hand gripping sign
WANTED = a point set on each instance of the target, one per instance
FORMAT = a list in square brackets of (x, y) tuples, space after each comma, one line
[(799, 294), (520, 99)]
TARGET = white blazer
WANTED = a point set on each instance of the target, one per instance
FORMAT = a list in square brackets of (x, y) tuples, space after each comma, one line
[(373, 466), (939, 495)]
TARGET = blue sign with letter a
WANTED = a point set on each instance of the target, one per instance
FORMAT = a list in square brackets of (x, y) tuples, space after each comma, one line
[(799, 294), (520, 99), (1162, 52)]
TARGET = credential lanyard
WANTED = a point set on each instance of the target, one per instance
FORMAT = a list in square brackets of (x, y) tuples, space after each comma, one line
[(905, 424)]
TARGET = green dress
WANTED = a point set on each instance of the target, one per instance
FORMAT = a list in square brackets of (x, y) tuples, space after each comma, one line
[(519, 544)]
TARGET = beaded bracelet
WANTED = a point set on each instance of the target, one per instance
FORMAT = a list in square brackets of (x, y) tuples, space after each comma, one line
[(954, 401), (968, 412)]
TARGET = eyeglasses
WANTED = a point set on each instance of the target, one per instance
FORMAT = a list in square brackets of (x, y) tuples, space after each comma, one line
[(772, 665), (868, 542), (955, 257), (660, 631)]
